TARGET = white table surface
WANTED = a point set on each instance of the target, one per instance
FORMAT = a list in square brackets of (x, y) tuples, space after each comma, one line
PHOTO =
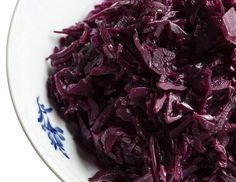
[(18, 160)]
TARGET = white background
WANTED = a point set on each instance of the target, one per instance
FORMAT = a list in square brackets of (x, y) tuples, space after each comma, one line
[(18, 160)]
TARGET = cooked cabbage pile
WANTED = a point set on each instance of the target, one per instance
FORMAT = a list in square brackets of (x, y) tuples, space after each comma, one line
[(148, 87)]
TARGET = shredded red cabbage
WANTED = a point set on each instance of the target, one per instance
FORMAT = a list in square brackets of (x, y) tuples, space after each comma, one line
[(148, 86)]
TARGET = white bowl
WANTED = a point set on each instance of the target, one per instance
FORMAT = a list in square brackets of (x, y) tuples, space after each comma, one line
[(31, 40)]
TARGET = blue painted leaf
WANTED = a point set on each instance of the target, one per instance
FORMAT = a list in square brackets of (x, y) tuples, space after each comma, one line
[(61, 136), (43, 127), (55, 146), (45, 110), (49, 126), (66, 155), (62, 149), (42, 107), (50, 136), (59, 130), (40, 118), (58, 140), (49, 110)]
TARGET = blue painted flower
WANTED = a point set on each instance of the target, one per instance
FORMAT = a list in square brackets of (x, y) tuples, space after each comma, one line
[(55, 134)]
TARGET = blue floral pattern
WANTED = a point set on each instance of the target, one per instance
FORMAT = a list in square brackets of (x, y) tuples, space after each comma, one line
[(55, 134)]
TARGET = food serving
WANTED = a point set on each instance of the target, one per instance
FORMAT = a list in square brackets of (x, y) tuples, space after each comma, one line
[(148, 88)]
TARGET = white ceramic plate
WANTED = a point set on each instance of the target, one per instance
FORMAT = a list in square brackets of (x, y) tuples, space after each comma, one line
[(31, 40)]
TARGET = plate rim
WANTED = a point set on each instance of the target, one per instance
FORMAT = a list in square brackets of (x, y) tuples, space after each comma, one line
[(13, 101)]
